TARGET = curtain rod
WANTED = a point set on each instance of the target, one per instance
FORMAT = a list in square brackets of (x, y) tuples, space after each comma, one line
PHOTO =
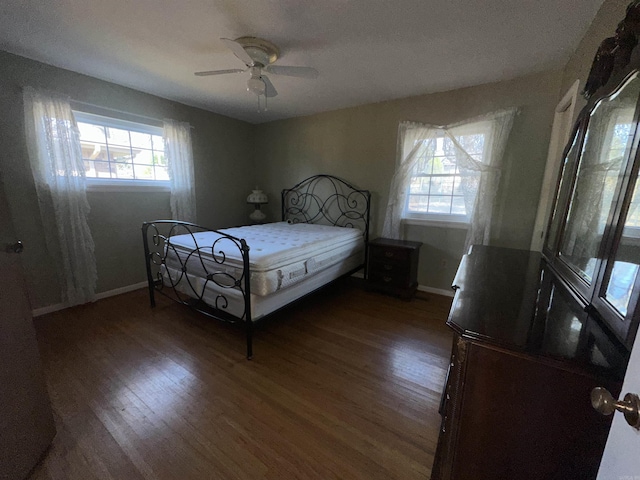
[(115, 110)]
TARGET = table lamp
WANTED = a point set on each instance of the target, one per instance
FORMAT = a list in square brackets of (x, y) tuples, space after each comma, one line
[(257, 197)]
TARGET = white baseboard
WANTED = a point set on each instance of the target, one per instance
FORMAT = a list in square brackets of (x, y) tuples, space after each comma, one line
[(48, 309), (422, 288), (436, 291), (121, 290), (129, 288), (99, 296)]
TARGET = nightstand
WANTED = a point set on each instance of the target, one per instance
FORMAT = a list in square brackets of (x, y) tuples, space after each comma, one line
[(392, 266)]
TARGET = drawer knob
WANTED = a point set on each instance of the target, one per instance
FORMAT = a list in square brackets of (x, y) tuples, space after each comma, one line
[(387, 267), (386, 279), (388, 254)]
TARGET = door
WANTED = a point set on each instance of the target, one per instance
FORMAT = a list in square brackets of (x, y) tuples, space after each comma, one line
[(620, 460), (26, 419)]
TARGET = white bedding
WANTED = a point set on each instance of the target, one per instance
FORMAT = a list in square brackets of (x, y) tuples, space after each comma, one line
[(281, 254), (233, 302)]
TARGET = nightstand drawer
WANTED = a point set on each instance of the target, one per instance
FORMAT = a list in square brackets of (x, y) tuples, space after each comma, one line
[(390, 268), (389, 254), (392, 279)]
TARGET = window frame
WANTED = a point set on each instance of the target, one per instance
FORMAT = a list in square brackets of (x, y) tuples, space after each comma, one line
[(482, 127), (103, 184)]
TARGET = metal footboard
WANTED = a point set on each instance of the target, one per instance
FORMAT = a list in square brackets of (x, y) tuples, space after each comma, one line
[(185, 276)]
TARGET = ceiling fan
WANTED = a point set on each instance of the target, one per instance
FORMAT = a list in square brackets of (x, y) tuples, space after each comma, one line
[(258, 55)]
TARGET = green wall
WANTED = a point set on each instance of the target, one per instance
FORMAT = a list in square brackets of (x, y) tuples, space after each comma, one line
[(222, 149), (359, 145)]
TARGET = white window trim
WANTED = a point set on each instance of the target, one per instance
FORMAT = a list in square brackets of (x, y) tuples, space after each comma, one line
[(122, 184), (436, 220), (117, 123)]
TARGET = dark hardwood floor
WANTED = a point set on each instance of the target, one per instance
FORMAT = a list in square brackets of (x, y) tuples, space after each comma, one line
[(345, 384)]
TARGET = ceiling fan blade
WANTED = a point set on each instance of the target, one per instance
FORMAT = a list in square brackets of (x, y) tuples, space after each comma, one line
[(217, 72), (270, 90), (238, 51), (300, 72)]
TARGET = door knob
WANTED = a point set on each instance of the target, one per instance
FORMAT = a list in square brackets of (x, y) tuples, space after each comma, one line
[(16, 247), (604, 403)]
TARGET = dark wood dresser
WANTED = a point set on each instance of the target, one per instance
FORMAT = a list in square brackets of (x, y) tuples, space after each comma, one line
[(525, 357), (393, 266)]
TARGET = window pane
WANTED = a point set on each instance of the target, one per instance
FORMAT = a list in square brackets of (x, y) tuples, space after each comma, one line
[(448, 165), (162, 173), (442, 185), (140, 140), (457, 185), (458, 206), (98, 169), (91, 133), (143, 172), (122, 170), (418, 185), (158, 143), (424, 166), (418, 203), (439, 204), (159, 159), (117, 136), (472, 144), (119, 154), (142, 156), (94, 151)]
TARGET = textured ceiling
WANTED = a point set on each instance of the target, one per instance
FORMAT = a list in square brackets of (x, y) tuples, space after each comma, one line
[(365, 50)]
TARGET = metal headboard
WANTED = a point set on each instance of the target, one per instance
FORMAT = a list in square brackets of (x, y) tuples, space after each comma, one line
[(327, 200)]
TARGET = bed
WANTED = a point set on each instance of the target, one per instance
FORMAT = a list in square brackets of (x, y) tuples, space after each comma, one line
[(245, 274)]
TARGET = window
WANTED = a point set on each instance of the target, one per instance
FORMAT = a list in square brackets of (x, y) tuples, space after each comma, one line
[(439, 188), (122, 153), (448, 176)]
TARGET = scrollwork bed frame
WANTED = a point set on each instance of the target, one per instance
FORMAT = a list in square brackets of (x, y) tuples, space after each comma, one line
[(322, 199)]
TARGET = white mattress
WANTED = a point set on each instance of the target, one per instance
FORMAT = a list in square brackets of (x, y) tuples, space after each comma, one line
[(231, 301), (281, 254)]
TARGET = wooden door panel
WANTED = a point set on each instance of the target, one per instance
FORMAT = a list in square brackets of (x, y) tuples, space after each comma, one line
[(26, 419)]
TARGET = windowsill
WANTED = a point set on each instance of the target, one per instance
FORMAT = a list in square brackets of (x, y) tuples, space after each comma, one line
[(424, 222), (112, 185)]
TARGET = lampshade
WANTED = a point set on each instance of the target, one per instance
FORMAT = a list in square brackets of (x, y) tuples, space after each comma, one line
[(257, 197)]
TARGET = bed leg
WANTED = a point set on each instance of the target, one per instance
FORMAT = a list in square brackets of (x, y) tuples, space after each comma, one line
[(147, 259), (152, 295)]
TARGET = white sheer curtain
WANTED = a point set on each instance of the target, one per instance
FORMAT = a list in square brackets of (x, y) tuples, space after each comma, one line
[(480, 179), (59, 175), (413, 140), (177, 149)]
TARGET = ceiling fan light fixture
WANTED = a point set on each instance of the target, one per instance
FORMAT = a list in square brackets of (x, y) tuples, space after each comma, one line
[(256, 85), (258, 56)]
